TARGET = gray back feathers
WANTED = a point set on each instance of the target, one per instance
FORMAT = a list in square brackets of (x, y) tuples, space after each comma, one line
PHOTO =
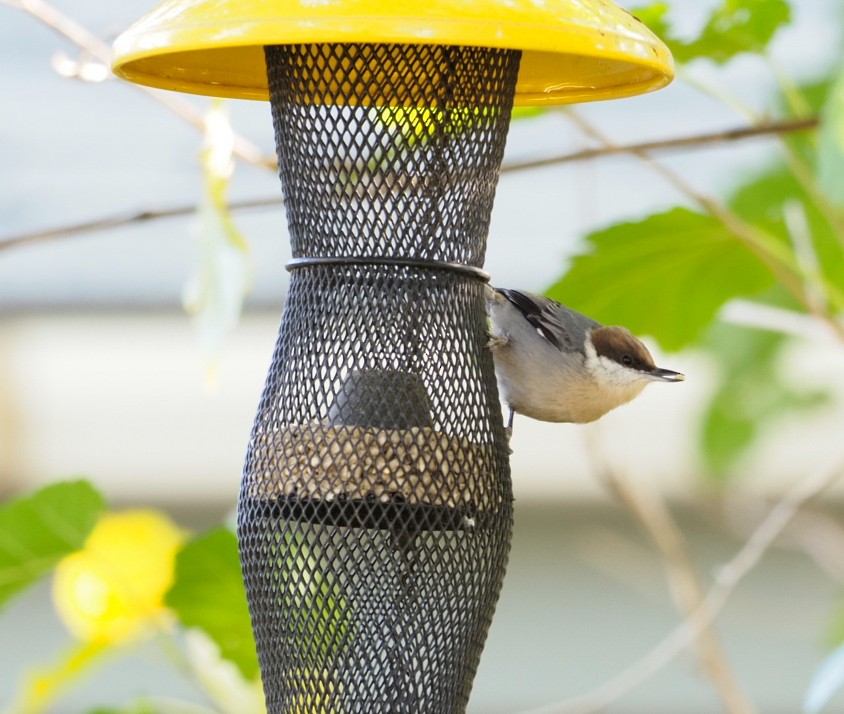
[(549, 317)]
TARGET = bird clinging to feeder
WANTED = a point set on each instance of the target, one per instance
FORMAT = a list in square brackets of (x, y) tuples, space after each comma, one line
[(554, 364)]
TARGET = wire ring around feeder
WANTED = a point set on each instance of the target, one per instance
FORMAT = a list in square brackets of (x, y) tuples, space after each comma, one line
[(469, 270)]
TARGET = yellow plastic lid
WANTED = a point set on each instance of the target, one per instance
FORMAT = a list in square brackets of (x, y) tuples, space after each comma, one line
[(573, 50)]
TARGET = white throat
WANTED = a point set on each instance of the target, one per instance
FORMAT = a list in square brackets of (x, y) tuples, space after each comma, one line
[(620, 383)]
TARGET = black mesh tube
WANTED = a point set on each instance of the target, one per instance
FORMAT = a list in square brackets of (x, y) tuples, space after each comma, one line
[(376, 508)]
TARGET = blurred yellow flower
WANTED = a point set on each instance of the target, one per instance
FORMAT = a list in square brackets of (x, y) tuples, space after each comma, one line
[(113, 589)]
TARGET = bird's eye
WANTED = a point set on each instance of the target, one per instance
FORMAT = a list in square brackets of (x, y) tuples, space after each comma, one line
[(627, 360)]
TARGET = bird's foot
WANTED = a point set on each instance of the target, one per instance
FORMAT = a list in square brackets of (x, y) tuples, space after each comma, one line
[(508, 430), (497, 342)]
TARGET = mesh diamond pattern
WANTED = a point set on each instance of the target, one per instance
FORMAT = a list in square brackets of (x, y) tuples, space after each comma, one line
[(376, 508)]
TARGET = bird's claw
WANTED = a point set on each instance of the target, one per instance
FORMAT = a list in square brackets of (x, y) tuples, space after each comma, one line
[(496, 342)]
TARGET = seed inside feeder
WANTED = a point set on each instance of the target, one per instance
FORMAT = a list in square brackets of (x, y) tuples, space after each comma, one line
[(377, 446), (417, 466)]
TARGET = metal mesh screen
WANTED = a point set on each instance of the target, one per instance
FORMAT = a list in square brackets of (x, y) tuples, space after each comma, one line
[(375, 511)]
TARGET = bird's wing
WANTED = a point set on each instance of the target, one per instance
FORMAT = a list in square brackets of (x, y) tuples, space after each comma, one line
[(544, 314)]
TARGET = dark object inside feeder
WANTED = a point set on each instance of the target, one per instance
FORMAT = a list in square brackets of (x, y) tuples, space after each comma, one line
[(381, 399)]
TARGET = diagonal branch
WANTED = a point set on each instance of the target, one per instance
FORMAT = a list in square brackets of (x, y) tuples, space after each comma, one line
[(695, 141), (727, 579), (121, 220), (654, 516)]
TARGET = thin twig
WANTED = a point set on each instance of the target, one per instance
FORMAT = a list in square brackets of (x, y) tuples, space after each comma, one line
[(109, 222), (813, 532), (727, 579), (653, 515), (695, 141), (83, 38), (125, 219)]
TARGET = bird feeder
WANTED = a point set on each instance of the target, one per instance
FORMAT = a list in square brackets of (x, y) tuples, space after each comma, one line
[(376, 509)]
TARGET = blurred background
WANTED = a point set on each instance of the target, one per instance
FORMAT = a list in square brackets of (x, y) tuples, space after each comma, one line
[(103, 373)]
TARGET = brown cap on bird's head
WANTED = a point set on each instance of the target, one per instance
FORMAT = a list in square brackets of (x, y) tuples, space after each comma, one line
[(620, 345)]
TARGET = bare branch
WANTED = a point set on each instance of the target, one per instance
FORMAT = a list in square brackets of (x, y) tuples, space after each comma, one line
[(727, 579), (813, 532), (695, 141), (698, 141), (125, 219)]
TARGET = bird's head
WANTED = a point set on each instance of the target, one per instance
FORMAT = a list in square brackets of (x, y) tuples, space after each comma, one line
[(617, 359)]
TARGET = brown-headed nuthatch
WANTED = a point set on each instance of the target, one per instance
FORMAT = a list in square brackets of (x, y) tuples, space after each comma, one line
[(555, 364)]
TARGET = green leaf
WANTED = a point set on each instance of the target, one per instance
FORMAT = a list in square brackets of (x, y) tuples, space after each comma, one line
[(519, 113), (734, 27), (665, 276), (831, 144), (802, 101), (813, 96), (835, 636), (654, 17), (739, 26), (39, 530), (764, 201), (750, 397), (208, 593), (142, 706), (313, 592)]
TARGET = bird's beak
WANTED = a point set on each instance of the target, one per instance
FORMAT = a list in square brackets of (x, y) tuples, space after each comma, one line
[(664, 375)]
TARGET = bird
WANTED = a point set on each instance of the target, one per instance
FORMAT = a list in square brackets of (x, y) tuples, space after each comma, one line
[(554, 364)]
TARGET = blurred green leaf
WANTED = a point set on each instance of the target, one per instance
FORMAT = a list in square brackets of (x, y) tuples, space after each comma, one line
[(655, 18), (312, 592), (831, 143), (750, 396), (802, 101), (836, 629), (738, 26), (414, 127), (527, 112), (142, 706), (665, 276), (764, 201), (813, 96), (208, 593), (37, 531), (734, 27)]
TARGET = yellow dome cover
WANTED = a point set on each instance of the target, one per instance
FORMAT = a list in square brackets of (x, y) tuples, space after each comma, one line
[(573, 50)]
